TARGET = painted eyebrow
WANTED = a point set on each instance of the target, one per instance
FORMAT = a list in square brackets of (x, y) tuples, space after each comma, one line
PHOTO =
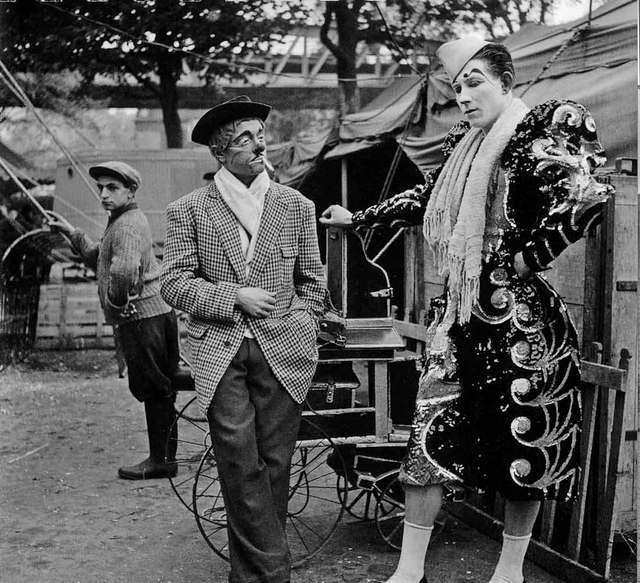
[(247, 133), (467, 75)]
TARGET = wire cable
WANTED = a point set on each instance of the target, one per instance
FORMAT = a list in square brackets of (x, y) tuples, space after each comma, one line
[(206, 58), (394, 42), (25, 190), (15, 87), (17, 90)]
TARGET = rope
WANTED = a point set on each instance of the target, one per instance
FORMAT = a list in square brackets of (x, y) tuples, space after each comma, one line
[(79, 211), (578, 34), (22, 173), (33, 181), (394, 42), (22, 187), (17, 90)]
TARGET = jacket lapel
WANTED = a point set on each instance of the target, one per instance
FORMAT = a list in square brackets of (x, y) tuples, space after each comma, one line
[(227, 226), (273, 217)]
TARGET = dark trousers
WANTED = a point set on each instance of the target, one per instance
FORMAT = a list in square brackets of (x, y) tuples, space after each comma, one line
[(151, 351), (254, 425)]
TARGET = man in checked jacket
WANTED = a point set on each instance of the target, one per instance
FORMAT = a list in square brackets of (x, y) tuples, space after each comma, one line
[(241, 258)]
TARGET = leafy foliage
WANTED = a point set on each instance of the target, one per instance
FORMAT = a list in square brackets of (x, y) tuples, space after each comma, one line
[(128, 40), (404, 26)]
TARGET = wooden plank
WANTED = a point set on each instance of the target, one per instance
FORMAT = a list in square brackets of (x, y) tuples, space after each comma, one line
[(73, 343), (410, 274), (608, 230), (576, 526), (421, 300), (602, 462), (547, 521), (381, 383), (63, 313), (624, 335), (410, 330), (603, 375), (593, 282), (604, 543), (54, 331)]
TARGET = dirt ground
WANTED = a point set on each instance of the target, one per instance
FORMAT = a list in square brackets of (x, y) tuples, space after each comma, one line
[(66, 424)]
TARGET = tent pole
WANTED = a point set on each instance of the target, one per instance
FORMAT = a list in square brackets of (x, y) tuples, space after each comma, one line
[(635, 384), (343, 183), (344, 201)]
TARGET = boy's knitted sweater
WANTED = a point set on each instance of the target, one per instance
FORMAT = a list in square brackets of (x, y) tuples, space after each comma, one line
[(127, 270)]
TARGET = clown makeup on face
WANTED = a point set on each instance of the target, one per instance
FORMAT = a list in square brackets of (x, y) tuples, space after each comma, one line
[(243, 155), (481, 95)]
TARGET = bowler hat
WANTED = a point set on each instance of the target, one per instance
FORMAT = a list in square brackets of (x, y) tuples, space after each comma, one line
[(237, 108), (128, 175)]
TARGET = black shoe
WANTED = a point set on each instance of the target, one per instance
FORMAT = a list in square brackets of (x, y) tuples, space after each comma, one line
[(148, 470)]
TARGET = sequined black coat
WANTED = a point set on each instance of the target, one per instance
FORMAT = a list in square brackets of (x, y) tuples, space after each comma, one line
[(514, 422)]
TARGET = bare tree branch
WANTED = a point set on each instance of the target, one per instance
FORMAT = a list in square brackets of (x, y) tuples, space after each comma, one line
[(147, 83)]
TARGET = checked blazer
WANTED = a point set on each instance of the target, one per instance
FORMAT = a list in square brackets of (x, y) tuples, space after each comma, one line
[(203, 267)]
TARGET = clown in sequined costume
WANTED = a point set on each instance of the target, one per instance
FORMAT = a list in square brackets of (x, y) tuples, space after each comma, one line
[(516, 397), (498, 406)]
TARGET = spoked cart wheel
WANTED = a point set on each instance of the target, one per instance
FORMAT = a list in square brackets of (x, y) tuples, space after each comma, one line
[(314, 511), (389, 511), (187, 408), (359, 502), (193, 440)]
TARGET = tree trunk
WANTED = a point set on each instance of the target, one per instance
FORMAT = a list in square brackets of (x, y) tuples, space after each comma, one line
[(169, 104), (344, 52), (349, 97), (347, 21)]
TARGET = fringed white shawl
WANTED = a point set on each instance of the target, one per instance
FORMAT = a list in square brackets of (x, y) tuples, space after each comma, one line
[(454, 221)]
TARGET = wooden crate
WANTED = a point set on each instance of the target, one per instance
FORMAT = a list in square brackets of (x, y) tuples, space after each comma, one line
[(70, 316)]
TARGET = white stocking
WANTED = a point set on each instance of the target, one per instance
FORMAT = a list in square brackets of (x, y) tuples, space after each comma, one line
[(509, 567), (415, 540)]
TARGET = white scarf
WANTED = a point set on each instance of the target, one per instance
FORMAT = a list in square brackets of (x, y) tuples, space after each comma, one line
[(245, 203), (454, 221)]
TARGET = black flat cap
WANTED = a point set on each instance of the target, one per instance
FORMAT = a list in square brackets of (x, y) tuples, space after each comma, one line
[(237, 108)]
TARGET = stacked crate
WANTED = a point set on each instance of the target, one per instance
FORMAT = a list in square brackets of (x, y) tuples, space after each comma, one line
[(70, 317)]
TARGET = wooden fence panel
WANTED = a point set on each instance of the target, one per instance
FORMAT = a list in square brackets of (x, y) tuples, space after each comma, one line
[(70, 316)]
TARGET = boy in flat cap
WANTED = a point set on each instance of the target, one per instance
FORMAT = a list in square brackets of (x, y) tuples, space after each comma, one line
[(145, 326), (241, 257)]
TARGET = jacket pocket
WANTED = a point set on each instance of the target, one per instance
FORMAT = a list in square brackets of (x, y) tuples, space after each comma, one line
[(288, 251), (287, 260), (196, 328)]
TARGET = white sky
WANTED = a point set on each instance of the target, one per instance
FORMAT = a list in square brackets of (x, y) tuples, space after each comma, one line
[(571, 10)]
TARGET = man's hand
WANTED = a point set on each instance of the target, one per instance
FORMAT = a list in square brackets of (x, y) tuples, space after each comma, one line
[(60, 224), (255, 301), (522, 269), (336, 216)]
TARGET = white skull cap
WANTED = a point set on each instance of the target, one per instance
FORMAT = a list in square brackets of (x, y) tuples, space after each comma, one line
[(455, 54)]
